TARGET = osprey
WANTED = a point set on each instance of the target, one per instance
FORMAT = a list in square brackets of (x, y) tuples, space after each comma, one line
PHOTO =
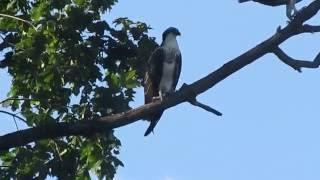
[(291, 8), (163, 71)]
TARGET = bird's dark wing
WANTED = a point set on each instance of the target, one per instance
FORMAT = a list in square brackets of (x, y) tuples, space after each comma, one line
[(152, 82), (177, 70), (153, 74)]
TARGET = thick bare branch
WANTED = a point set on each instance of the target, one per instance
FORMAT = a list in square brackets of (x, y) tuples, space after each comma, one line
[(88, 127), (310, 28), (296, 64)]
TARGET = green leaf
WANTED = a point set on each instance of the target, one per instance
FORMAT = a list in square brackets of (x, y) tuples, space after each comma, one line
[(80, 2), (58, 68), (39, 11)]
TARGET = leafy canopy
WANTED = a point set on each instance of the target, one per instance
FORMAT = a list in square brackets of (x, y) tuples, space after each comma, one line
[(68, 64)]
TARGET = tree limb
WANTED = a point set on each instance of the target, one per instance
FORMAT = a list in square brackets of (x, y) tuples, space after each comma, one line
[(195, 102), (296, 64), (87, 127), (310, 28)]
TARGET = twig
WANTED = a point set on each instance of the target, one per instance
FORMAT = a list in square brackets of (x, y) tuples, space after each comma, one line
[(193, 100), (4, 166), (18, 99), (13, 115), (296, 64), (19, 19), (15, 122), (4, 40), (205, 107)]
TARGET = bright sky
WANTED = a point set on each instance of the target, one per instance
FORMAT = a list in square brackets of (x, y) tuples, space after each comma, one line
[(270, 123)]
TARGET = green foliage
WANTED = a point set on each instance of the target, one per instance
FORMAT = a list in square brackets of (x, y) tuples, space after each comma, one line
[(71, 66)]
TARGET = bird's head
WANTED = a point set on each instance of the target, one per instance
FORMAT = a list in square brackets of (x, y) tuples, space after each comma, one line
[(171, 31)]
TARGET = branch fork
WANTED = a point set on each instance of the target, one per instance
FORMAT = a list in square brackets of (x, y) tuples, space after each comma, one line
[(192, 99)]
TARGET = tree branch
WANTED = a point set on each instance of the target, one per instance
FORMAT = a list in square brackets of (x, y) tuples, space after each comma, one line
[(87, 127), (195, 102), (19, 19), (13, 115), (296, 64), (15, 99), (310, 28)]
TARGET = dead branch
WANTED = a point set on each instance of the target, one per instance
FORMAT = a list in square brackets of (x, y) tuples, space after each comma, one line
[(296, 64), (195, 102), (310, 28), (87, 127)]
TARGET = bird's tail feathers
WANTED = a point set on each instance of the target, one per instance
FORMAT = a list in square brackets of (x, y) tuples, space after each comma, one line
[(151, 127), (154, 119)]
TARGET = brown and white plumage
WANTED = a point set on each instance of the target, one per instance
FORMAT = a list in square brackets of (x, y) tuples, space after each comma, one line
[(163, 72)]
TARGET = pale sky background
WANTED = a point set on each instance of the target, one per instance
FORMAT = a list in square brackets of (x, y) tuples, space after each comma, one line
[(270, 124)]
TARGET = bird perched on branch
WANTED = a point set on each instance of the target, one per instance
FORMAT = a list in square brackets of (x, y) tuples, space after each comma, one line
[(162, 74), (291, 8)]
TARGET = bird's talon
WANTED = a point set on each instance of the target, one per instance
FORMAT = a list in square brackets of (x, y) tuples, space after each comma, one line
[(156, 98)]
